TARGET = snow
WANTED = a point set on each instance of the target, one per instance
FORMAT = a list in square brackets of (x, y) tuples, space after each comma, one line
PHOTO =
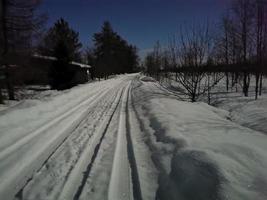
[(204, 141), (27, 134), (75, 142), (247, 111), (75, 176), (65, 170), (7, 105), (81, 65), (147, 79), (119, 187), (53, 58), (146, 169)]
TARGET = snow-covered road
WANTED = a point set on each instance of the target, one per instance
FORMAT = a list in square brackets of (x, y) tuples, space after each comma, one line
[(47, 150), (125, 138)]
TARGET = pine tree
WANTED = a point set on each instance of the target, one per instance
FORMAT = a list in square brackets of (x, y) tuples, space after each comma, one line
[(60, 73), (63, 43), (113, 55), (61, 32), (104, 50)]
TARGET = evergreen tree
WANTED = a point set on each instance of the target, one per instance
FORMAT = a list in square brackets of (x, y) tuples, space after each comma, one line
[(113, 55), (104, 50), (61, 75), (61, 32), (63, 43)]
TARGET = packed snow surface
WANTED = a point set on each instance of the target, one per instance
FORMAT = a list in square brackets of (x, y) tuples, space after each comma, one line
[(130, 137), (31, 131)]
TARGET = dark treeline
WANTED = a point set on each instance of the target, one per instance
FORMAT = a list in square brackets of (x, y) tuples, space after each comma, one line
[(111, 54), (236, 52), (23, 35)]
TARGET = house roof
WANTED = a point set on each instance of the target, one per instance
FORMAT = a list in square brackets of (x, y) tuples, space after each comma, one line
[(81, 65), (53, 58)]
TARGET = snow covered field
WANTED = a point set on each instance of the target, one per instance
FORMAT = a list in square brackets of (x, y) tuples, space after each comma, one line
[(130, 138)]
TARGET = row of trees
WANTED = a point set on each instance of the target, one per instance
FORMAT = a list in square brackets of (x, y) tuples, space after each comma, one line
[(237, 50), (244, 40), (110, 55)]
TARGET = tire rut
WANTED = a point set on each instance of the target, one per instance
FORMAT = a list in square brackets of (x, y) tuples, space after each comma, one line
[(19, 195), (89, 167), (137, 194)]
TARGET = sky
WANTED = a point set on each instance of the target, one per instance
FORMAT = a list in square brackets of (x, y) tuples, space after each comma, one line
[(140, 22)]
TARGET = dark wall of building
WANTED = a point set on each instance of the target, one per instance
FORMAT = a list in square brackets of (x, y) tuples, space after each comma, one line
[(36, 72)]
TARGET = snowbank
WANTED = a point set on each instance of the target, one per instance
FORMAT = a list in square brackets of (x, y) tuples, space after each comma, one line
[(147, 79), (212, 158), (247, 112), (239, 153)]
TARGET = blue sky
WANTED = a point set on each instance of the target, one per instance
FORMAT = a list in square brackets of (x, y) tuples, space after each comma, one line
[(141, 22)]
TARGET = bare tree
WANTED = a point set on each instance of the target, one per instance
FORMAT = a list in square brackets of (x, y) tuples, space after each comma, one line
[(226, 45), (173, 51), (261, 38), (157, 54), (244, 13), (193, 54), (19, 24)]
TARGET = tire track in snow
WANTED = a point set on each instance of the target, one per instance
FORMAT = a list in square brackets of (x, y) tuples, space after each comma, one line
[(89, 167), (76, 177), (124, 181), (15, 182), (137, 194), (6, 152), (76, 181), (105, 105), (19, 195), (82, 123)]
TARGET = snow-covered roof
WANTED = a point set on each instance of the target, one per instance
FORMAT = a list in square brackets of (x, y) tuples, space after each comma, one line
[(53, 58), (44, 57), (81, 65)]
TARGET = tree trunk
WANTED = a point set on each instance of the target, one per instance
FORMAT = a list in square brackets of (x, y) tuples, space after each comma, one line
[(257, 85), (1, 96), (233, 79), (5, 51), (193, 98), (208, 89), (246, 80), (227, 81), (260, 91), (9, 84)]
